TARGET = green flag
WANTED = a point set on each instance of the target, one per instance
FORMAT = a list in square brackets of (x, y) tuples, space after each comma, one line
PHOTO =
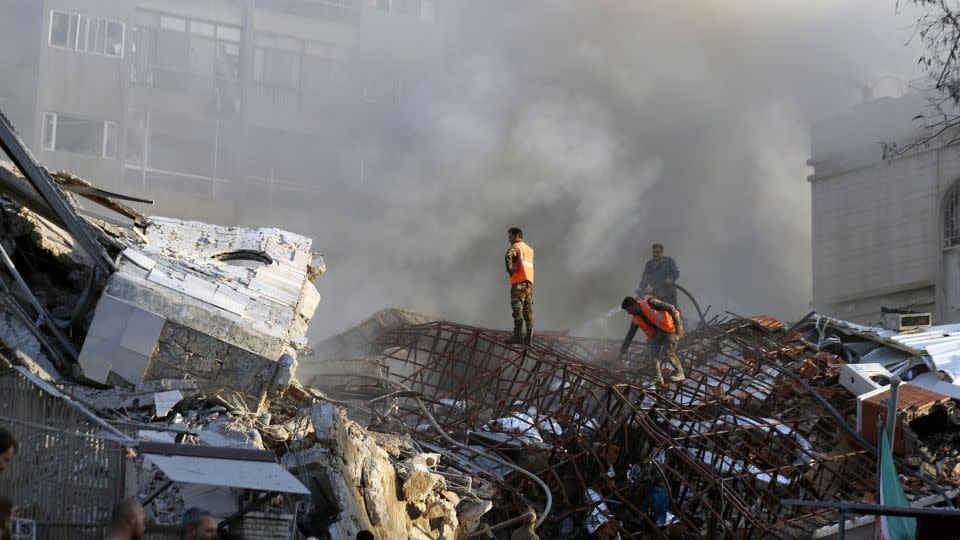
[(891, 494)]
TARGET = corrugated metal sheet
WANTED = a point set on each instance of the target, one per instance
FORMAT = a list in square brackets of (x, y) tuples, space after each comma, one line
[(940, 343), (228, 472)]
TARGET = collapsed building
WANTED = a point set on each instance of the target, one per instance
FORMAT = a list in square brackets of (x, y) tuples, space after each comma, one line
[(762, 417), (168, 360), (156, 358)]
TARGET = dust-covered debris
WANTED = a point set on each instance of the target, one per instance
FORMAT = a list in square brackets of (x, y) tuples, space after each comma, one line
[(762, 413)]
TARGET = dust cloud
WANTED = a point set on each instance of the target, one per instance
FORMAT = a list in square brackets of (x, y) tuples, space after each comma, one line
[(599, 128)]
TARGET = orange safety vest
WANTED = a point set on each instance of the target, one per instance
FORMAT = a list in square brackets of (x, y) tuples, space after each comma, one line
[(522, 270), (651, 319)]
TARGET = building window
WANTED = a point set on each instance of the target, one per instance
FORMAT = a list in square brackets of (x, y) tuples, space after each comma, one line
[(83, 33), (276, 61), (341, 4), (400, 7), (64, 133), (951, 217), (49, 131), (109, 140), (185, 54)]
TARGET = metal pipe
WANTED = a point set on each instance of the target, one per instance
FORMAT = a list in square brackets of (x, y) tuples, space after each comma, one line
[(843, 524), (166, 485), (694, 301), (482, 532), (877, 509), (154, 427), (892, 409)]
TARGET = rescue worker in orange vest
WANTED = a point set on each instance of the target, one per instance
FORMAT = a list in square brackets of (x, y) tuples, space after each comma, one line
[(519, 260), (663, 327)]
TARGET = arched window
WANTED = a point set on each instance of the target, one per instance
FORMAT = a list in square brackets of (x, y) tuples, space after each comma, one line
[(951, 217)]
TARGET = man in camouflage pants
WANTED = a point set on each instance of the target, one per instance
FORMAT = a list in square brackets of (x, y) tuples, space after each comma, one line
[(519, 263), (663, 327)]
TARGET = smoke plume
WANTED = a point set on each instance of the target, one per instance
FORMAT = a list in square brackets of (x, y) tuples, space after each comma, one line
[(599, 128)]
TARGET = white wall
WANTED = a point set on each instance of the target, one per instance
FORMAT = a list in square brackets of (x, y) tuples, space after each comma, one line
[(876, 224)]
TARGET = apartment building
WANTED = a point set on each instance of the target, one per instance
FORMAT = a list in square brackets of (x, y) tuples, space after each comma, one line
[(206, 105)]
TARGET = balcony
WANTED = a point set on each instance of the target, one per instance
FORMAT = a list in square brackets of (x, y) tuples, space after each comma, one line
[(218, 96), (343, 11)]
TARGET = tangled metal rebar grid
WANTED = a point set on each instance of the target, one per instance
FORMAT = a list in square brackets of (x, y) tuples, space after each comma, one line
[(756, 421)]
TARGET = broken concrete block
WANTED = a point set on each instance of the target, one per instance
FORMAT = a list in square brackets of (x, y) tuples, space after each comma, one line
[(419, 484), (121, 339), (286, 368), (443, 510), (415, 510), (277, 433), (165, 401), (183, 306), (451, 497), (422, 461), (374, 492), (472, 510), (233, 434), (417, 533), (323, 417), (313, 456)]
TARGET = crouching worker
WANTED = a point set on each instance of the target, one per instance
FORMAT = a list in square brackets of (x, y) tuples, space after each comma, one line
[(661, 323)]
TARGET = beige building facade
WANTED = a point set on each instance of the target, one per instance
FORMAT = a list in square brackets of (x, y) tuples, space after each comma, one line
[(886, 233)]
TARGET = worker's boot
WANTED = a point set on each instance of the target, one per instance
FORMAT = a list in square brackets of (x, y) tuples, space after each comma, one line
[(677, 374), (517, 338), (656, 368), (528, 338)]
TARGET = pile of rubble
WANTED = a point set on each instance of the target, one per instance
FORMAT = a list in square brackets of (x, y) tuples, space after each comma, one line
[(761, 418), (163, 355)]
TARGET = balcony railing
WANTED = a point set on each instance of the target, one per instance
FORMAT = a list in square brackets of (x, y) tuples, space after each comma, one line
[(224, 94)]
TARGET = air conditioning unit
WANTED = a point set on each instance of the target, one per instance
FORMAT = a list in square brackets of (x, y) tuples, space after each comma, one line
[(898, 322), (861, 379)]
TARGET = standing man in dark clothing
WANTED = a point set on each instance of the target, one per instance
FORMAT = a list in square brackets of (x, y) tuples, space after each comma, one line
[(663, 327), (519, 261), (8, 448), (659, 275)]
